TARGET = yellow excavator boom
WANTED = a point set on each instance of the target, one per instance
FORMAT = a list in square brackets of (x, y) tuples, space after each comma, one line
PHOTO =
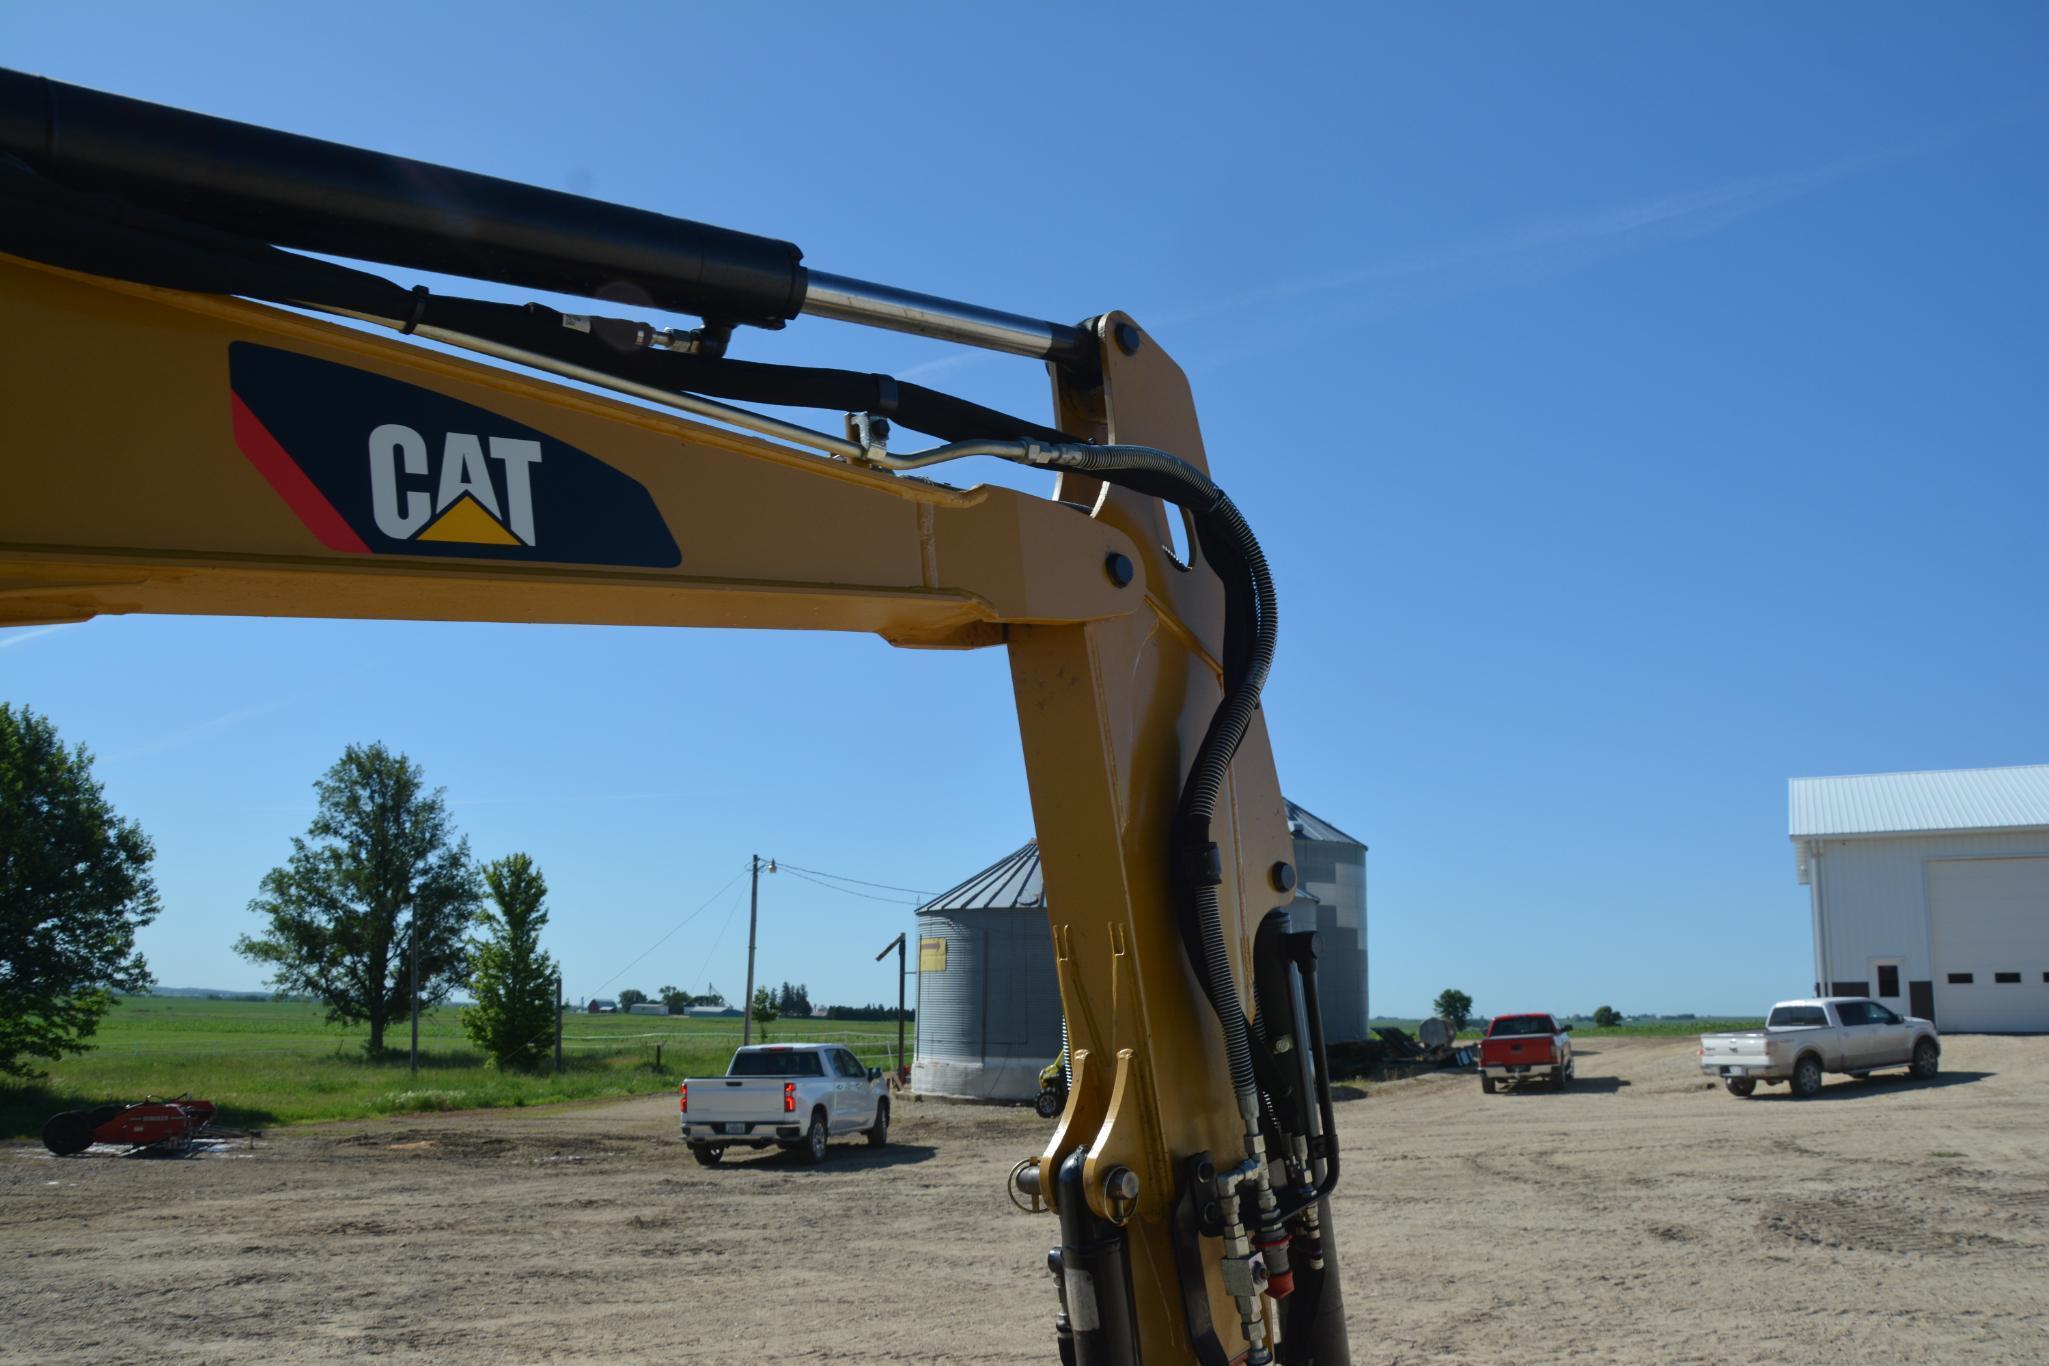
[(174, 445)]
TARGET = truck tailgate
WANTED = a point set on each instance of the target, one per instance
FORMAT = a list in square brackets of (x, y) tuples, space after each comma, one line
[(1746, 1049), (1516, 1051), (717, 1098)]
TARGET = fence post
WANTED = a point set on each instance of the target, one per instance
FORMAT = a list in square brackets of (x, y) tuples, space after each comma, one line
[(658, 1057), (560, 1001)]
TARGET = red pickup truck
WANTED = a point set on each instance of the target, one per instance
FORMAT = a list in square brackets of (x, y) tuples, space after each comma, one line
[(1524, 1047)]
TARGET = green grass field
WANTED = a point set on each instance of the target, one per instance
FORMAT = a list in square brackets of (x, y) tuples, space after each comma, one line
[(275, 1062), (1663, 1029)]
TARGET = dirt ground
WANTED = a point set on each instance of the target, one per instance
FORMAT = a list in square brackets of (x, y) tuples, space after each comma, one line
[(1641, 1217)]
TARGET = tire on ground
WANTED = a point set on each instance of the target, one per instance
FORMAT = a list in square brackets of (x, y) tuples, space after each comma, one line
[(1740, 1086), (1927, 1059), (68, 1133), (812, 1149), (707, 1154), (1486, 1083), (878, 1133), (1807, 1077)]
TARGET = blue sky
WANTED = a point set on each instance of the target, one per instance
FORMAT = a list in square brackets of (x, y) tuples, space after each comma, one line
[(1639, 407)]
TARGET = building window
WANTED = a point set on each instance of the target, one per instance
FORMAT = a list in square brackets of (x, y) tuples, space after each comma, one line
[(1960, 979), (2006, 978), (1888, 979)]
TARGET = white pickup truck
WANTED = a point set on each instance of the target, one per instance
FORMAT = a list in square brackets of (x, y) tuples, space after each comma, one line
[(794, 1095), (1801, 1040)]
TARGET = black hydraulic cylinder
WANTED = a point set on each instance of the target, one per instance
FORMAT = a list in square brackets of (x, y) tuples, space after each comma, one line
[(1095, 1270), (1313, 1318), (320, 196)]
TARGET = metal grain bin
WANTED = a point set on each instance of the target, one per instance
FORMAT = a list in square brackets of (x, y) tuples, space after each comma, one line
[(1330, 893), (988, 997)]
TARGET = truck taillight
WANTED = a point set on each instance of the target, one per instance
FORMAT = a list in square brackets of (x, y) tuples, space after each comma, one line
[(683, 1098), (789, 1097)]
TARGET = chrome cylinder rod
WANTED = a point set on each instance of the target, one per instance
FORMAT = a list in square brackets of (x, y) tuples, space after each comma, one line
[(927, 315)]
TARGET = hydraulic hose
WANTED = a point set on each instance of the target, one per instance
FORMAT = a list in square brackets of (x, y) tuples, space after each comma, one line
[(1228, 540), (104, 235), (93, 232)]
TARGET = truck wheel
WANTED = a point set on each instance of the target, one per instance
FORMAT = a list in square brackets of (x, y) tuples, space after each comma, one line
[(1487, 1084), (1740, 1086), (878, 1136), (1807, 1077), (1927, 1060), (812, 1149), (68, 1133), (1048, 1104), (1561, 1077), (707, 1154)]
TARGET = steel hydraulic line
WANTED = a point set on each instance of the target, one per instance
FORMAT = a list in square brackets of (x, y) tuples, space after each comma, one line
[(1220, 527), (320, 196)]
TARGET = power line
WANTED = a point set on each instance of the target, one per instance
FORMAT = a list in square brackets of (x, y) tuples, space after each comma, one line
[(844, 891), (705, 966), (560, 1008), (672, 932), (842, 877)]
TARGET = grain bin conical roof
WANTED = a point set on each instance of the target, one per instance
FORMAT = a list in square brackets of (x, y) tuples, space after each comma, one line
[(1012, 883), (1305, 824)]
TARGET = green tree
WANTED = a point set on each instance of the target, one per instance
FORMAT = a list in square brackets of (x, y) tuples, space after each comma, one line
[(1454, 1006), (676, 999), (1607, 1017), (764, 1009), (512, 981), (74, 888), (632, 997), (380, 861)]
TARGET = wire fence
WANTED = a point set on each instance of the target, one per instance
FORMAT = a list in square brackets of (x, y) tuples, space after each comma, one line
[(732, 1040), (708, 1054), (674, 1042)]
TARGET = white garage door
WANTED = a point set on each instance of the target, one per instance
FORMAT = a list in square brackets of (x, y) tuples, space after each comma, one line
[(1988, 921)]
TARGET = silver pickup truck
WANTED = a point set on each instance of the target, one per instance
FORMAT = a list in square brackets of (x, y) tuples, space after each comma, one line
[(1801, 1040), (794, 1095)]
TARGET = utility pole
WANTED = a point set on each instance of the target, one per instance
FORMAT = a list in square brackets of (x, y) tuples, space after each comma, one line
[(560, 1002), (413, 952), (897, 944), (753, 906)]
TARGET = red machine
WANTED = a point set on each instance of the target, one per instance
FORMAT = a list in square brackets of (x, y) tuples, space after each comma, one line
[(170, 1124)]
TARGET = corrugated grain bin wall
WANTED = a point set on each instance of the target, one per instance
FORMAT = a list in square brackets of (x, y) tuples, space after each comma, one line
[(988, 997), (1330, 868)]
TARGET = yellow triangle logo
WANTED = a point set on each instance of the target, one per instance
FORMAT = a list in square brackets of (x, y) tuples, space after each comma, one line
[(467, 521)]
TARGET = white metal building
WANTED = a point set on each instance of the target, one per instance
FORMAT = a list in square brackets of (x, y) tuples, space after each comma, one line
[(1930, 891)]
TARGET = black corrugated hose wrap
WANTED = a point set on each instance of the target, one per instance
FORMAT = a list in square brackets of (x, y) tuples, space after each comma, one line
[(1227, 541)]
